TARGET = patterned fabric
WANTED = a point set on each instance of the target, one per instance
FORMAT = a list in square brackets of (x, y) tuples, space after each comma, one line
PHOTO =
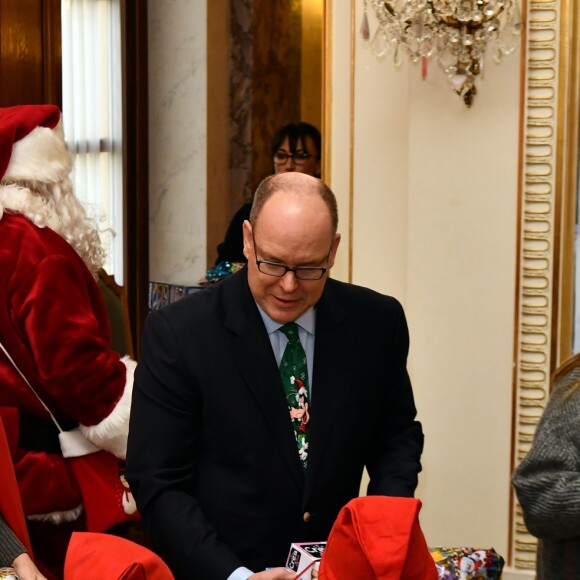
[(464, 563), (294, 374)]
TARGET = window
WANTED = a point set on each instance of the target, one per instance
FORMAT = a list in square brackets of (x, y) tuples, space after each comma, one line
[(92, 115)]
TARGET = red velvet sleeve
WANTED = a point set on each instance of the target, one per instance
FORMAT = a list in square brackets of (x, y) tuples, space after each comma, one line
[(57, 309)]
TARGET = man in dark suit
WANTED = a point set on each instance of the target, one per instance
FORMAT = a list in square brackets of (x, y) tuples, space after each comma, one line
[(212, 457)]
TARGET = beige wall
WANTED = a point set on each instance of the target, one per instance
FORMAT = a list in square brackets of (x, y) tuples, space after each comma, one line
[(434, 206)]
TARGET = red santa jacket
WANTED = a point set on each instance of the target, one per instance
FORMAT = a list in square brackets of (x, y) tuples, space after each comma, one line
[(54, 324)]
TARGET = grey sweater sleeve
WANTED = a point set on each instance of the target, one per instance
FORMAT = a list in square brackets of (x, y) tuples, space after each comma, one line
[(547, 481), (10, 545)]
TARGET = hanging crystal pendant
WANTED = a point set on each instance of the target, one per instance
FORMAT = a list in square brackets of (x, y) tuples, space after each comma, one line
[(397, 56), (380, 44), (365, 30)]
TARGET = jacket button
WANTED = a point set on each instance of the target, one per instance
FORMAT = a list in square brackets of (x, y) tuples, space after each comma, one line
[(306, 517)]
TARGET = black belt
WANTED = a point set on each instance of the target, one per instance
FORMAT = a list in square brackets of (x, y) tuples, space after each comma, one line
[(39, 434)]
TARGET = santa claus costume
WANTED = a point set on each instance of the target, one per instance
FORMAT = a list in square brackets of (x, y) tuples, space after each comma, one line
[(54, 325)]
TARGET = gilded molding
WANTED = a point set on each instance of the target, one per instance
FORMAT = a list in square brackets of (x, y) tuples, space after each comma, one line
[(537, 245)]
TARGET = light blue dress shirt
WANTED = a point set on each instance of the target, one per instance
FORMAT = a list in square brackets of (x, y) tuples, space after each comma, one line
[(240, 574), (306, 324)]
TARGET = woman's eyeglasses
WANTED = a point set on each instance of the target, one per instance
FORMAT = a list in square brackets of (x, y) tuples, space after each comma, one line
[(281, 157)]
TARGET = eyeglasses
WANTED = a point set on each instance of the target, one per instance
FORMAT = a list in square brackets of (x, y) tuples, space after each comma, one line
[(279, 270), (280, 157)]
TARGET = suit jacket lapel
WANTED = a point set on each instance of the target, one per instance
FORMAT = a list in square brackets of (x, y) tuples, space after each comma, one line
[(253, 354), (330, 390)]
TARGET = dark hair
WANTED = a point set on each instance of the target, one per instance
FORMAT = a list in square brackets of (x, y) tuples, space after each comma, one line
[(273, 183), (297, 132)]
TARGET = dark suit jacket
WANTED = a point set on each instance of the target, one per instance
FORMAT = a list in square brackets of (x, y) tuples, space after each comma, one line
[(212, 459)]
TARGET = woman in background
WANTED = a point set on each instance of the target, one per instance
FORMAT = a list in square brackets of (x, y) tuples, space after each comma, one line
[(547, 481), (295, 147)]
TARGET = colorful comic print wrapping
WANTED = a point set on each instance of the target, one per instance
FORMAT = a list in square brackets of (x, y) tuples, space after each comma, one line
[(467, 563)]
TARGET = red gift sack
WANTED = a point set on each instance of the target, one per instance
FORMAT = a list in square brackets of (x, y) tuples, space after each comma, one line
[(107, 499), (112, 558), (378, 538)]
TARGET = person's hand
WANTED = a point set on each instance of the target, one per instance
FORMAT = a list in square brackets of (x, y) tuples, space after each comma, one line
[(26, 569), (274, 574)]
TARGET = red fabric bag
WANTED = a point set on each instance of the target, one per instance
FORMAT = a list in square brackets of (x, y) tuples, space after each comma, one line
[(378, 538), (107, 499), (106, 556)]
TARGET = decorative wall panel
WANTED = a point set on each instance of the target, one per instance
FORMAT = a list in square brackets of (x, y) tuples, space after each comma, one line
[(537, 246)]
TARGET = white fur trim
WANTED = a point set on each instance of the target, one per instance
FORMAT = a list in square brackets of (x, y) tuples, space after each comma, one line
[(74, 444), (58, 517), (40, 156), (111, 433)]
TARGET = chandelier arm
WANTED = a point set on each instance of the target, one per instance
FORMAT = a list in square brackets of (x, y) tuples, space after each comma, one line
[(454, 22), (390, 9)]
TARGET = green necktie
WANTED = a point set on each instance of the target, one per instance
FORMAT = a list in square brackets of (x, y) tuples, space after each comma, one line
[(294, 374)]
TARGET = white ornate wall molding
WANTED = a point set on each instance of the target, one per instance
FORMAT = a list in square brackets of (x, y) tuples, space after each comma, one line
[(538, 242)]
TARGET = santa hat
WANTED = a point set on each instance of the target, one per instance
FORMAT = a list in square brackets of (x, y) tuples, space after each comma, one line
[(106, 556), (377, 537), (32, 145)]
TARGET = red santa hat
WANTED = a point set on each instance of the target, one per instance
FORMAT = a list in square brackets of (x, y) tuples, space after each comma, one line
[(32, 145), (378, 538)]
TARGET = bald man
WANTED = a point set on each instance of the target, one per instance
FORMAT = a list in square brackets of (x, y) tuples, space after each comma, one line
[(227, 468)]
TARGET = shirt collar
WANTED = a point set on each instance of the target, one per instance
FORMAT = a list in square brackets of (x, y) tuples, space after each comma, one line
[(306, 321)]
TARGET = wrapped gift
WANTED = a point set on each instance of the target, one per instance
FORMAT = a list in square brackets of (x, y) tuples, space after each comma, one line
[(467, 563), (304, 558)]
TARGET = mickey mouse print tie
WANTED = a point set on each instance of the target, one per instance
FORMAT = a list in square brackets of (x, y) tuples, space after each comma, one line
[(294, 374)]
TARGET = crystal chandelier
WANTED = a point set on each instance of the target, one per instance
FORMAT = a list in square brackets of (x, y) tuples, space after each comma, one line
[(454, 32)]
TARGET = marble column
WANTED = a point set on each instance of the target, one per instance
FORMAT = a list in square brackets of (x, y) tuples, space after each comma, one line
[(177, 136)]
